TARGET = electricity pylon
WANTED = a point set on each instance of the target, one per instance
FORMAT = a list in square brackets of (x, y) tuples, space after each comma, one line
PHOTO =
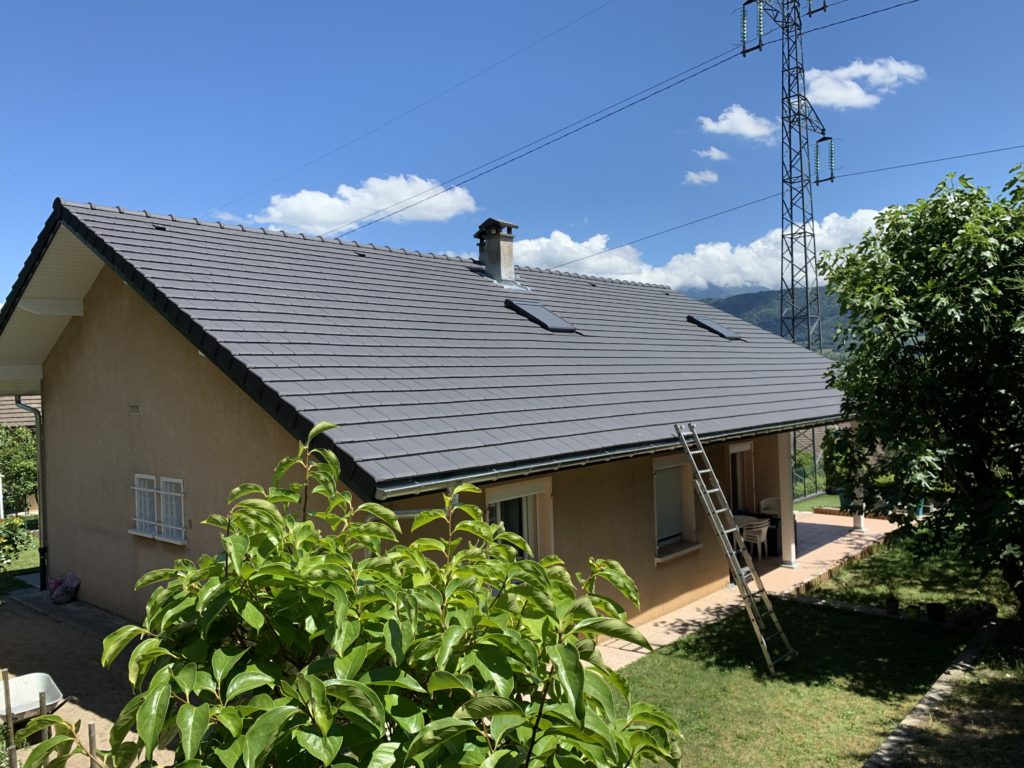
[(800, 305), (800, 313)]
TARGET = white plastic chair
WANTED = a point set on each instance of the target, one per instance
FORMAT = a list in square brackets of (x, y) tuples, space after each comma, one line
[(770, 506), (757, 534)]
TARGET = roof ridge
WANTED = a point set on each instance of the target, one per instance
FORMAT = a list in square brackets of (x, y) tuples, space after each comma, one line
[(220, 224), (585, 276)]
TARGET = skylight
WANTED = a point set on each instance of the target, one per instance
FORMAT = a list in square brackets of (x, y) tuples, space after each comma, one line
[(541, 315), (710, 325)]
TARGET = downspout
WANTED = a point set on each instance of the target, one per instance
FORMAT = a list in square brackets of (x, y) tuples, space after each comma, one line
[(40, 493)]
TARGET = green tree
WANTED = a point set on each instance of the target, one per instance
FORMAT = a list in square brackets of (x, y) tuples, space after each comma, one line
[(934, 296), (14, 539), (18, 466), (299, 648)]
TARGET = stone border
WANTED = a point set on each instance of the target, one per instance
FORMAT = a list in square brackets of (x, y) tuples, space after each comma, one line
[(906, 732)]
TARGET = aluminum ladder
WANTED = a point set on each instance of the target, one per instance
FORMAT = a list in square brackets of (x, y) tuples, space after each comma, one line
[(773, 641)]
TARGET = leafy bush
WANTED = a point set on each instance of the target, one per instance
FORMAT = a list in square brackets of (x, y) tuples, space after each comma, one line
[(292, 647), (14, 539), (18, 466)]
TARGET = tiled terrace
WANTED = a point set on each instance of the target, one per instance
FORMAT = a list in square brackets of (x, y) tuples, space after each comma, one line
[(823, 542)]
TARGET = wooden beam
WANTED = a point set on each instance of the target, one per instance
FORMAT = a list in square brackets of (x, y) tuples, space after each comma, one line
[(53, 307)]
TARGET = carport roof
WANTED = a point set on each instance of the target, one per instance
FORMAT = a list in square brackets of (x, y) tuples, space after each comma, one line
[(431, 377)]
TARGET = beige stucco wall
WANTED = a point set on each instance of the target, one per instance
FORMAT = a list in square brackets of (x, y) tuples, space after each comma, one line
[(194, 424)]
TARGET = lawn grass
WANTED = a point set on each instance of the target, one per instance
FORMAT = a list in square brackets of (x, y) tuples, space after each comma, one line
[(916, 580), (982, 721), (821, 500), (854, 679), (26, 562)]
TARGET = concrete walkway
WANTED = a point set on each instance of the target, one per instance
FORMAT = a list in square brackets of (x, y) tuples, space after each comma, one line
[(824, 542)]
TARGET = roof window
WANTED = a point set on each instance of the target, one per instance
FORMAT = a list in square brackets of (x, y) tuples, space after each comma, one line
[(541, 315), (710, 325)]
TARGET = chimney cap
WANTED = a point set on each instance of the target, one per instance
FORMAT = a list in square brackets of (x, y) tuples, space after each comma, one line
[(494, 227)]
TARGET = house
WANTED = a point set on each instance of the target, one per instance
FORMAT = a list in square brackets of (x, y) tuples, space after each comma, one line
[(177, 359), (12, 415)]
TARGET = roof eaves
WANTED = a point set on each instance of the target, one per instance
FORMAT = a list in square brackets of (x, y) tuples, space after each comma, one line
[(409, 487)]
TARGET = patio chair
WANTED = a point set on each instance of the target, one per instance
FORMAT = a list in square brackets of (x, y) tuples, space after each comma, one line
[(770, 506), (757, 534)]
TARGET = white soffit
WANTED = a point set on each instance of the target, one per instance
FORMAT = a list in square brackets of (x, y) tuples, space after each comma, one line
[(54, 295)]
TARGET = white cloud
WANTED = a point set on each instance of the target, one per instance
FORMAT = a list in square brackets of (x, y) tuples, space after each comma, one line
[(700, 177), (860, 84), (720, 263), (712, 153), (736, 121), (316, 212)]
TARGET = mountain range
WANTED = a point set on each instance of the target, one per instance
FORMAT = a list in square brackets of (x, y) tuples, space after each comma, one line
[(762, 309)]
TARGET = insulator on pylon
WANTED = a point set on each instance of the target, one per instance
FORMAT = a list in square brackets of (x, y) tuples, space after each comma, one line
[(746, 45), (818, 178), (813, 9)]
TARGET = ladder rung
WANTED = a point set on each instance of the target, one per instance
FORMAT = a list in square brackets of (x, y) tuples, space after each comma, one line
[(704, 471), (732, 530)]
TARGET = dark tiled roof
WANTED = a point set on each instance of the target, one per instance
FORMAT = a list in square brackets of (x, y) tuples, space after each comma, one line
[(13, 416), (427, 371)]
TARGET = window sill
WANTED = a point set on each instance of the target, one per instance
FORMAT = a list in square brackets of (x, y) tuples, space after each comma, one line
[(157, 537), (678, 551)]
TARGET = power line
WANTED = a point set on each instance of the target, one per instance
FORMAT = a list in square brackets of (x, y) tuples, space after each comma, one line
[(418, 106), (749, 203), (690, 223), (571, 129), (928, 162), (861, 16), (525, 150)]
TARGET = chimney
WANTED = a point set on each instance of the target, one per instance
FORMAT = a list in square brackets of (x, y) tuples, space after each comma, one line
[(495, 238)]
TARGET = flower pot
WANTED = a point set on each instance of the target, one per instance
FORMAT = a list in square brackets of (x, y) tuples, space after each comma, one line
[(937, 612), (892, 605)]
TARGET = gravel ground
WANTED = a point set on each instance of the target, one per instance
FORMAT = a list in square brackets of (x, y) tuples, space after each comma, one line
[(66, 643)]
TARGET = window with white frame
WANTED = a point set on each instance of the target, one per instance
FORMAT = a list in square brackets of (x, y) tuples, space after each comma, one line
[(675, 521), (159, 507)]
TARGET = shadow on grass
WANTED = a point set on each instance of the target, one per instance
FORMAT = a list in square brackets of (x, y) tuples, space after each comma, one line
[(875, 656), (917, 577), (982, 722)]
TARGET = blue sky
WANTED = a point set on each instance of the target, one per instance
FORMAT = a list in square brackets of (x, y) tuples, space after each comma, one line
[(188, 107)]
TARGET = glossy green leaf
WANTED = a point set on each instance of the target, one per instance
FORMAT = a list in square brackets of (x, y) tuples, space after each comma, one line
[(323, 748), (192, 723), (318, 430), (224, 660), (264, 732), (360, 702), (116, 642), (152, 715), (487, 706), (426, 517), (48, 752), (248, 680), (616, 628), (438, 732), (384, 755), (569, 673), (446, 681)]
